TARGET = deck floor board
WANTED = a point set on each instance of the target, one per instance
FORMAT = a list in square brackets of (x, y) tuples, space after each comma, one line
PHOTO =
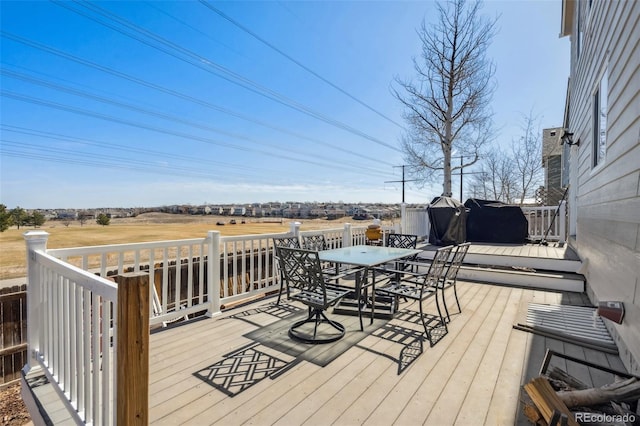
[(472, 376)]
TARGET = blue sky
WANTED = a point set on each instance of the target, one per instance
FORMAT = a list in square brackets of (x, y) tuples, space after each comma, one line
[(126, 104)]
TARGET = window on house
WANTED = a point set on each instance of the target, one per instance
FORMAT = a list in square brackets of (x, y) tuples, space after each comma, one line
[(600, 107)]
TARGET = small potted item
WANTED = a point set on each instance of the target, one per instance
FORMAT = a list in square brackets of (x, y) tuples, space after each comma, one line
[(374, 232)]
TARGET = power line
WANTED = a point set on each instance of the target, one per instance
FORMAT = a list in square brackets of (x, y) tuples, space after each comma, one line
[(133, 79), (164, 116), (81, 111), (295, 61), (206, 64)]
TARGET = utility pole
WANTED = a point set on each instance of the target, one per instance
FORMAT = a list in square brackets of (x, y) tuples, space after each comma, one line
[(462, 173), (403, 181)]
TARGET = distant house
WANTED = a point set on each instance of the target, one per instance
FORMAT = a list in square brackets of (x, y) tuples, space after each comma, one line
[(238, 211), (603, 129), (552, 161)]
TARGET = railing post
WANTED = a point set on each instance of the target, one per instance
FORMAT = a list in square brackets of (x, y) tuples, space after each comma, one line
[(132, 398), (294, 229), (562, 217), (427, 223), (403, 217), (347, 236), (36, 241), (213, 274)]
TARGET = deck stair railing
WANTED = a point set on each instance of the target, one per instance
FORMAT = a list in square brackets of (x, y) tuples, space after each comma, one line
[(70, 333)]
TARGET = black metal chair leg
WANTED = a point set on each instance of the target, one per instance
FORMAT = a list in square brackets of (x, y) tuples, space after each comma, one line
[(425, 325), (444, 302), (442, 321), (455, 293), (279, 294)]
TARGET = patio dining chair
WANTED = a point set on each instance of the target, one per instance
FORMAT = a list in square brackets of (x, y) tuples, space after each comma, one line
[(451, 275), (293, 242), (419, 286), (302, 271)]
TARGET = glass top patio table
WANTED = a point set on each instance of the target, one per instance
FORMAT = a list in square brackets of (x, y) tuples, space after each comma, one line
[(365, 255)]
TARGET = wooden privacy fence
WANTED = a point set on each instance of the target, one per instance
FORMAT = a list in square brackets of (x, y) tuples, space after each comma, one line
[(13, 332)]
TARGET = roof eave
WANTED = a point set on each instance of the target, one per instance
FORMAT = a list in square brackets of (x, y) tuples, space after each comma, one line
[(566, 22)]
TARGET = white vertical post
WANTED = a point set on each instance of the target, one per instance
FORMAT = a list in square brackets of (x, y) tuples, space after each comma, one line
[(427, 223), (294, 228), (36, 241), (403, 217), (213, 274), (562, 217), (347, 237)]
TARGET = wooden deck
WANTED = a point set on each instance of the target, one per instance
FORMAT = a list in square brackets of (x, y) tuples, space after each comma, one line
[(241, 368), (551, 251)]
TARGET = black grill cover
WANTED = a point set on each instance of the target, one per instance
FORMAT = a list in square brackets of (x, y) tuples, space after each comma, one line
[(495, 222), (448, 221)]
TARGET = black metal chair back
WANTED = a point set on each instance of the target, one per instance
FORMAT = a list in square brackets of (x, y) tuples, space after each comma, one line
[(402, 241), (314, 242), (292, 242), (456, 261), (289, 241), (407, 241), (302, 270), (437, 271)]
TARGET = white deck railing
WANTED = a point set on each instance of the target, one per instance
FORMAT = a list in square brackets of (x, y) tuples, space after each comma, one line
[(545, 222)]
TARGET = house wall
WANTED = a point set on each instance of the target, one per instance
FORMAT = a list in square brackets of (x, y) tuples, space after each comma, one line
[(553, 180), (607, 196), (552, 162)]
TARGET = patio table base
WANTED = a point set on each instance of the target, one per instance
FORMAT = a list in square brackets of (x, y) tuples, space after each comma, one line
[(384, 308)]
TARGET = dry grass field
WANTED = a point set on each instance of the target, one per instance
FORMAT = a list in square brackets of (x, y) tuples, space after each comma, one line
[(145, 227)]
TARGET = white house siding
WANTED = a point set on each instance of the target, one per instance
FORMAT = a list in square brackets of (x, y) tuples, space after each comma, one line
[(607, 197)]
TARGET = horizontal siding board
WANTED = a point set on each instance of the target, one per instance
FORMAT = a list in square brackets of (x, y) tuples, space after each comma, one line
[(622, 233), (622, 188), (620, 164)]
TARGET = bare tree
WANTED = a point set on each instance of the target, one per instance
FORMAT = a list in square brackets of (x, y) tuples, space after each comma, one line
[(447, 106), (527, 157), (496, 179)]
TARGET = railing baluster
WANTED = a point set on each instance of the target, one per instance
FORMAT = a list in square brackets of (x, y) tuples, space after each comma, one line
[(95, 357), (66, 336), (201, 275), (178, 281), (106, 362), (190, 277), (165, 280), (87, 355), (225, 270)]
